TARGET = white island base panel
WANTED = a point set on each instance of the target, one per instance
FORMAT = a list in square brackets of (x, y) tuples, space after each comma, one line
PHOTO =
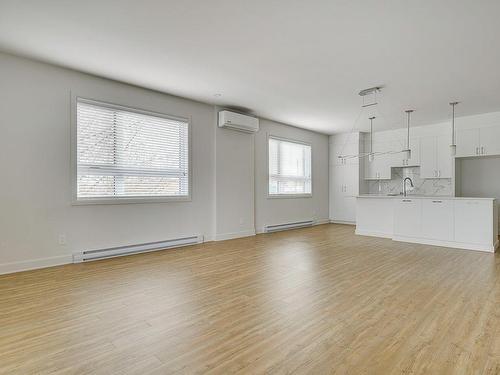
[(458, 222)]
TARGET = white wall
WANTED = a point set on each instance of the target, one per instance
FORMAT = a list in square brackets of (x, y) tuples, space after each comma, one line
[(234, 165), (480, 177), (35, 168), (283, 210), (229, 196)]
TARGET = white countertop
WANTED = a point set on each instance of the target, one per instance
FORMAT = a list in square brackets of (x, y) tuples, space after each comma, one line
[(409, 196)]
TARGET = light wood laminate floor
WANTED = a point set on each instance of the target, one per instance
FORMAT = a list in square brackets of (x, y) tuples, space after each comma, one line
[(310, 301)]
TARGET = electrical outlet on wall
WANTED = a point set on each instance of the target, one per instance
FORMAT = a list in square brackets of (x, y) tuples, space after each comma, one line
[(62, 239), (242, 220)]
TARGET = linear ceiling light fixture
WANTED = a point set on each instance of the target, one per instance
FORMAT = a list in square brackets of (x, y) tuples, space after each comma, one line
[(453, 146), (407, 151), (371, 92)]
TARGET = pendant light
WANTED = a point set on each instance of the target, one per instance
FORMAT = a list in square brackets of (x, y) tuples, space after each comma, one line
[(371, 156), (453, 146), (407, 151)]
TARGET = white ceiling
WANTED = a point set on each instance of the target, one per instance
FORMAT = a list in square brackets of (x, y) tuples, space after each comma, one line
[(296, 61)]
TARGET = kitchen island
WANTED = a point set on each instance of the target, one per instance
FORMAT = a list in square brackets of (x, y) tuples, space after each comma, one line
[(459, 222)]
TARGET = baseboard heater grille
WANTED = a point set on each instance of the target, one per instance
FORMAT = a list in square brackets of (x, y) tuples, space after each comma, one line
[(89, 255), (278, 227)]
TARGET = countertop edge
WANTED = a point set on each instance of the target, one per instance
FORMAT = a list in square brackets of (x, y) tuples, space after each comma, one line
[(422, 197)]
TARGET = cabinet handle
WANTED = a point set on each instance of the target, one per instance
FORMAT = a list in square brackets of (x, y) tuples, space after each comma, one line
[(437, 201), (439, 173), (482, 150), (477, 150), (406, 200)]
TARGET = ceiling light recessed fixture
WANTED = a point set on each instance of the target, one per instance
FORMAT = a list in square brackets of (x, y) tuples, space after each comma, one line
[(217, 95)]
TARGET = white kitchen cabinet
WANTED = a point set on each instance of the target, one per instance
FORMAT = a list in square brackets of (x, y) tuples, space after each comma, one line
[(444, 159), (474, 221), (398, 157), (465, 223), (489, 138), (438, 219), (344, 187), (478, 141), (467, 141), (344, 177), (435, 157), (408, 217), (375, 216), (379, 168)]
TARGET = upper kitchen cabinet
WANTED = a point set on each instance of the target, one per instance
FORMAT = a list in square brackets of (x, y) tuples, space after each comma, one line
[(435, 158), (398, 157), (380, 167), (489, 138), (344, 149), (478, 141)]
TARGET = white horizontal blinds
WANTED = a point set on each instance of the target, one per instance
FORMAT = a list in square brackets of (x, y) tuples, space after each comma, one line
[(122, 153), (289, 167)]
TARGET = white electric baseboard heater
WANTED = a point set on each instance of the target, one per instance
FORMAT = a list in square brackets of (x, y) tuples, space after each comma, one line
[(285, 226), (89, 255)]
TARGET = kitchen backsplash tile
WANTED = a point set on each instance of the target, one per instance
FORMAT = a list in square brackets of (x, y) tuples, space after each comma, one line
[(433, 186)]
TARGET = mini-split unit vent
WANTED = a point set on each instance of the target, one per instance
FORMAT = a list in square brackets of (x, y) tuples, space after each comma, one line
[(238, 121), (279, 227), (89, 255)]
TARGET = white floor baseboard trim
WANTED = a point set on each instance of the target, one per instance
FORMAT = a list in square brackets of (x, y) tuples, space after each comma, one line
[(342, 222), (453, 244), (35, 264), (230, 236), (373, 234)]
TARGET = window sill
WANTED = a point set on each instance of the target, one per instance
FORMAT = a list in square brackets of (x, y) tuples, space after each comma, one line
[(129, 200), (285, 196)]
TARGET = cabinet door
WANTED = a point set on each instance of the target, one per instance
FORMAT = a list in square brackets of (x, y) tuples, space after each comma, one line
[(467, 141), (414, 160), (408, 217), (351, 180), (344, 153), (473, 221), (383, 165), (428, 167), (438, 219), (415, 152), (336, 192), (397, 158), (370, 169), (443, 157), (489, 140)]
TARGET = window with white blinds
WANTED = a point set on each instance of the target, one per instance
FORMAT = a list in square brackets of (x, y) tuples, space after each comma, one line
[(289, 167), (124, 153)]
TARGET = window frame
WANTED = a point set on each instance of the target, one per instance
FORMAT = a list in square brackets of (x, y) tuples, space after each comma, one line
[(288, 195), (122, 200)]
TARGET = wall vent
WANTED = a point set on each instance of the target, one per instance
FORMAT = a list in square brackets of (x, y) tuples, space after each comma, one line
[(89, 255), (294, 225)]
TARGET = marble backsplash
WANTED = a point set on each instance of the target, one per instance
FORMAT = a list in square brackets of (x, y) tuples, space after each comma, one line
[(429, 186)]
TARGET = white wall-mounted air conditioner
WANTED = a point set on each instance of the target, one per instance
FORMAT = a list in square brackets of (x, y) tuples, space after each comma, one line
[(237, 121)]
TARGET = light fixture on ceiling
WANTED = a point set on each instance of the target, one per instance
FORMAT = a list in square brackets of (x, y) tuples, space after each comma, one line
[(217, 95), (370, 92), (371, 155), (407, 151), (453, 146)]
